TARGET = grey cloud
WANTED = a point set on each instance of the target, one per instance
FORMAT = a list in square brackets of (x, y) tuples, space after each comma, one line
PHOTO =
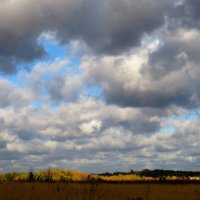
[(1, 120), (54, 81), (10, 156), (7, 66), (114, 26), (178, 48), (194, 8), (39, 134), (187, 13), (26, 135), (164, 60), (165, 148), (139, 121), (7, 90), (178, 53), (64, 88), (165, 76), (10, 95), (105, 26), (114, 145), (23, 48), (141, 89)]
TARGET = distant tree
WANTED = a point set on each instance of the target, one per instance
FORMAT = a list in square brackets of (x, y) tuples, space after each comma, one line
[(31, 176)]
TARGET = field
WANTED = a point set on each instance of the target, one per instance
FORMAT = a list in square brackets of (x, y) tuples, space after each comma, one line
[(98, 191)]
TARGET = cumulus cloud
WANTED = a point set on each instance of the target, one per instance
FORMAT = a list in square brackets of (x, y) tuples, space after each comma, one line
[(90, 127), (142, 54), (105, 26), (73, 131), (159, 74), (11, 95), (53, 81), (67, 146)]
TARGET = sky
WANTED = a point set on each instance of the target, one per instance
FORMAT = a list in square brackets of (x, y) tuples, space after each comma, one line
[(99, 86)]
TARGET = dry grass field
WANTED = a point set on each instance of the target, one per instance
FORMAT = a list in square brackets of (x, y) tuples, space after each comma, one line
[(100, 191)]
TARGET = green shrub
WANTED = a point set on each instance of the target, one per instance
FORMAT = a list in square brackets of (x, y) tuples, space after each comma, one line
[(10, 176)]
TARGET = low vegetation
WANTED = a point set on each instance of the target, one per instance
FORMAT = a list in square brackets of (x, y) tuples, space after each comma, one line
[(54, 184), (45, 176), (56, 175)]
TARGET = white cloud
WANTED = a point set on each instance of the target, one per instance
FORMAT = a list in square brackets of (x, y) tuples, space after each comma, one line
[(146, 67), (92, 126)]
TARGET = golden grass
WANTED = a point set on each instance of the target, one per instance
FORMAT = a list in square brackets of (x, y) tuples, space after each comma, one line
[(77, 176), (125, 178), (57, 175)]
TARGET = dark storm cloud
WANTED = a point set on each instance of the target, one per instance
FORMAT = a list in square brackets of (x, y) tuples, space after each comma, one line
[(110, 27)]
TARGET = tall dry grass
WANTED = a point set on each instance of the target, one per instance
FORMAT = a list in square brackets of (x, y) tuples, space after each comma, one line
[(101, 191)]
